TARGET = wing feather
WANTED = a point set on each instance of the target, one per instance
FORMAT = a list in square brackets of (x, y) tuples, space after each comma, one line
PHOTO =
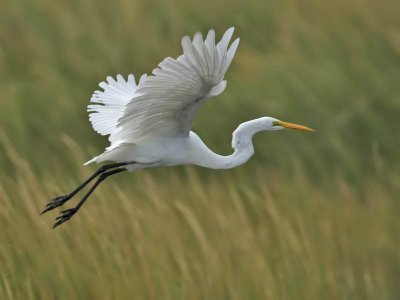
[(166, 102), (111, 102)]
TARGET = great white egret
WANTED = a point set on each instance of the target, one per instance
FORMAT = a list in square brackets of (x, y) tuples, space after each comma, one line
[(149, 123)]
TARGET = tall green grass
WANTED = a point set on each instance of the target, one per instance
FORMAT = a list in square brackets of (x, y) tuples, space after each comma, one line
[(310, 216), (272, 236)]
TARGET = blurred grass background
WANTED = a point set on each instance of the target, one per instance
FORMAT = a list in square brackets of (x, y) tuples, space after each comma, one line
[(310, 216)]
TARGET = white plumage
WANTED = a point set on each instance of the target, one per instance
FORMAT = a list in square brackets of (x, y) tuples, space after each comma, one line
[(112, 102), (165, 103), (149, 123)]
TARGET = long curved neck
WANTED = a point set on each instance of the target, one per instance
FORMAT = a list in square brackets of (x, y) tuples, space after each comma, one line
[(241, 143)]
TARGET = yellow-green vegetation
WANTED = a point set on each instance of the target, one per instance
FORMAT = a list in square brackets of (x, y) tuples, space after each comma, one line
[(311, 216)]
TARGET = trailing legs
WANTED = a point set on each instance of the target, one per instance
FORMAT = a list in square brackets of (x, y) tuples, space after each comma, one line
[(68, 213), (58, 201), (102, 173)]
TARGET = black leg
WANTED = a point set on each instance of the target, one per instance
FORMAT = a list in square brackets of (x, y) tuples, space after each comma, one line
[(58, 201), (68, 213)]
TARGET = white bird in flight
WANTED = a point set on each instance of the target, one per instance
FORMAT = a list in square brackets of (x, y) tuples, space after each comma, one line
[(149, 123)]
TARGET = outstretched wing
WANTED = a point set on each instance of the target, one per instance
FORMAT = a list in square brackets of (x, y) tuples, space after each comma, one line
[(109, 105), (167, 102)]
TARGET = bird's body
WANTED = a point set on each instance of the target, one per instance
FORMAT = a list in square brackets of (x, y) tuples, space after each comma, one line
[(173, 151), (161, 152), (149, 123)]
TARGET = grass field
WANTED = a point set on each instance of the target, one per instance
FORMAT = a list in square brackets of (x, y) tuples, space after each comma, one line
[(311, 216)]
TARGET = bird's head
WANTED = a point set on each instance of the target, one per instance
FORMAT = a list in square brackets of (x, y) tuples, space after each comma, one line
[(269, 123)]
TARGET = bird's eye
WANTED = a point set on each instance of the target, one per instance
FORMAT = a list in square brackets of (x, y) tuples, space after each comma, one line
[(275, 123)]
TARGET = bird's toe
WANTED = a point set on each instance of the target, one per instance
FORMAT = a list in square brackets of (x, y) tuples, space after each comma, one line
[(55, 202), (64, 216)]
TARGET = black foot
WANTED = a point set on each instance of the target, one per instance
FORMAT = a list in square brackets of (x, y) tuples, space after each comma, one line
[(56, 202), (64, 216)]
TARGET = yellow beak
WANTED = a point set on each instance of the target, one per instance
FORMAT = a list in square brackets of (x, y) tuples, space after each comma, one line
[(293, 126)]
